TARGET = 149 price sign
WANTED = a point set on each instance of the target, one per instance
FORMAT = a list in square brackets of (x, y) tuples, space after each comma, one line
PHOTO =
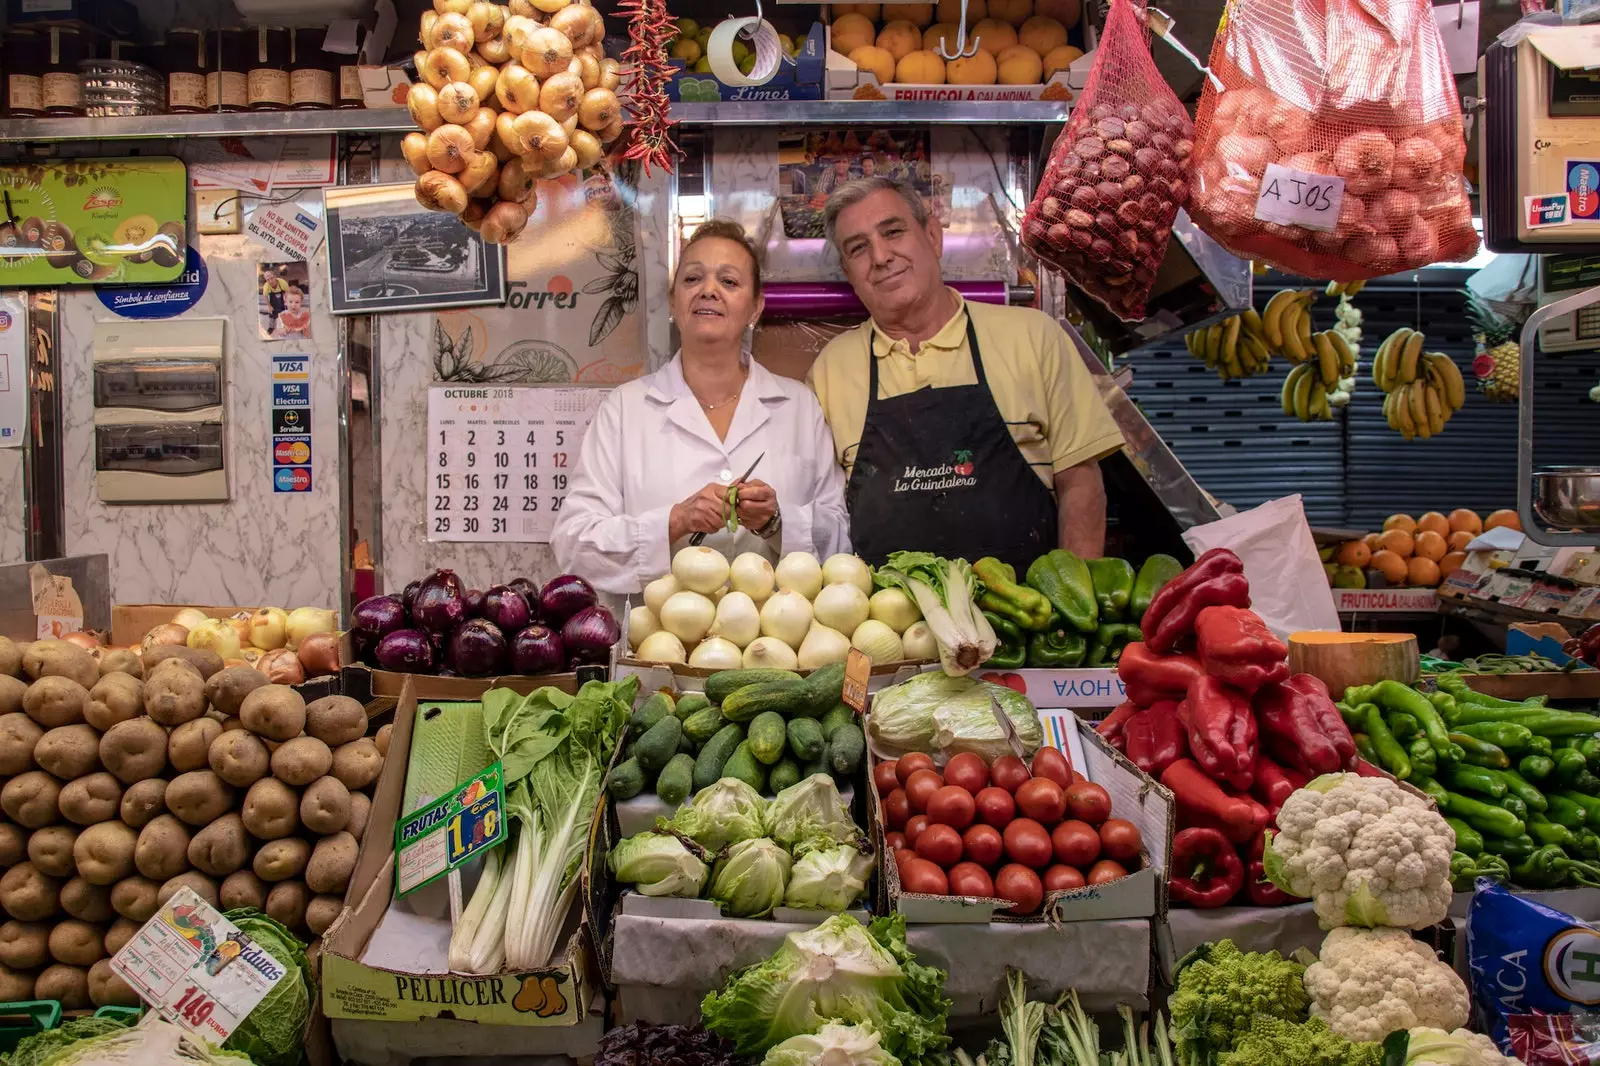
[(195, 1006)]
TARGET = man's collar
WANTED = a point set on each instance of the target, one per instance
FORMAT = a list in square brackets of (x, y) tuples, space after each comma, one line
[(950, 337)]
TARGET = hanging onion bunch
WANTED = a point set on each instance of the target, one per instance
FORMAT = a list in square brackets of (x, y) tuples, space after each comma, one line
[(508, 94)]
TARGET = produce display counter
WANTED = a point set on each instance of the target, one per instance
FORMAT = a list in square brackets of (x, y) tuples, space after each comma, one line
[(1280, 929), (464, 1043)]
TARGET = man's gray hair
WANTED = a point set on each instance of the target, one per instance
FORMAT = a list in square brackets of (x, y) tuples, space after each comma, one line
[(858, 189)]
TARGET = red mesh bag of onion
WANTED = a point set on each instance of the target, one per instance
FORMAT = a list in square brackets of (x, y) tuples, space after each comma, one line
[(1333, 148), (1103, 211)]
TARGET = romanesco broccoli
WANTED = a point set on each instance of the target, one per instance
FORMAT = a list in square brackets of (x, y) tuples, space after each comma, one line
[(1274, 1042), (1220, 989)]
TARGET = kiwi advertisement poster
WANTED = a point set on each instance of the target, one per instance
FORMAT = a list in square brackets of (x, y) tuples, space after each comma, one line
[(92, 221)]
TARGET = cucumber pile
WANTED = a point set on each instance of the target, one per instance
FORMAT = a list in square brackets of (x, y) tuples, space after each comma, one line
[(768, 728)]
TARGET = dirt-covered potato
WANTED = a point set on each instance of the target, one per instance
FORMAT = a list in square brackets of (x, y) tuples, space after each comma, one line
[(69, 751), (173, 697), (226, 689), (232, 724), (279, 860), (60, 658), (15, 986), (203, 886), (10, 658), (122, 661), (106, 989), (163, 848), (135, 898), (336, 720), (357, 763), (172, 663), (274, 711), (360, 810), (238, 757), (199, 797), (271, 809), (77, 943), (325, 806), (50, 849), (86, 902), (31, 799), (332, 861), (204, 662), (243, 888), (301, 761), (115, 698), (28, 895), (24, 945), (11, 692), (53, 701), (321, 912), (69, 984), (134, 750), (96, 798), (19, 734), (381, 738), (287, 903), (189, 744), (120, 933), (104, 853), (221, 847), (13, 844), (143, 801)]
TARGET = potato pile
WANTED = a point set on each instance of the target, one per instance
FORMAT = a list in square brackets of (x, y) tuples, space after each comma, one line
[(123, 781), (509, 94)]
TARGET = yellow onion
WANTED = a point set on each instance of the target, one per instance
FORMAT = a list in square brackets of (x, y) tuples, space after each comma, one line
[(454, 31), (503, 222), (505, 128), (423, 102), (414, 146), (547, 52), (458, 102), (269, 628), (515, 183), (319, 654), (441, 66), (542, 135), (482, 79), (215, 634), (587, 68), (449, 148), (550, 7), (598, 109), (610, 74), (496, 49), (304, 621), (472, 217), (482, 174), (438, 191), (516, 88), (588, 149), (481, 126), (87, 641), (281, 666), (560, 94), (169, 634), (565, 163)]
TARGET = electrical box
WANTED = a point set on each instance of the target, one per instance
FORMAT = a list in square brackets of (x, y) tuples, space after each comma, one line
[(1563, 275), (160, 411)]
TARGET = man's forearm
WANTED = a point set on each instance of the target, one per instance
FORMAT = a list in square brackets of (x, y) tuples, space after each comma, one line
[(1081, 510)]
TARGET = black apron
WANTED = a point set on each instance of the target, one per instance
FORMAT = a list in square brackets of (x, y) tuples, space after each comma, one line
[(938, 471)]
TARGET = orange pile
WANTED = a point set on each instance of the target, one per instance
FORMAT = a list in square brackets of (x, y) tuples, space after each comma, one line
[(1420, 552)]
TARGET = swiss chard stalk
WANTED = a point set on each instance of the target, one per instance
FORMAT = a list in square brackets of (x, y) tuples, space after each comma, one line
[(945, 592)]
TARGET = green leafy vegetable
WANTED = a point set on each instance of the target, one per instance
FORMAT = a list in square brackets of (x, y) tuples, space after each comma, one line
[(274, 1033), (36, 1049), (153, 1042), (944, 591), (811, 809), (1221, 989), (657, 864), (935, 712), (833, 1045), (751, 878), (828, 878), (1272, 1041), (724, 812)]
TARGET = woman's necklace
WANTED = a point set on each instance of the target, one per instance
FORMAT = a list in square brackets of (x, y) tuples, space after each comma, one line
[(723, 403)]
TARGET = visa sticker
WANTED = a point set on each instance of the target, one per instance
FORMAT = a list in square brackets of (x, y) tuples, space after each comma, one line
[(1545, 211), (1583, 189)]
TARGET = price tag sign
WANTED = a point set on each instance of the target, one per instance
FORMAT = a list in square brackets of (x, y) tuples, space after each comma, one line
[(197, 968), (1292, 197), (857, 669), (449, 832)]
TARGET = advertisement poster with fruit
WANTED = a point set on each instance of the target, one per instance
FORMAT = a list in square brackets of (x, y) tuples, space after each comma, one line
[(92, 221), (812, 165)]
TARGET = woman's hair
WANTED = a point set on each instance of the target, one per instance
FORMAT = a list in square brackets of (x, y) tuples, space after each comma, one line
[(728, 230)]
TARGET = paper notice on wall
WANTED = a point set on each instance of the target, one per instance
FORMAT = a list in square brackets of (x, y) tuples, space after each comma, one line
[(243, 163), (13, 369), (305, 162), (291, 229)]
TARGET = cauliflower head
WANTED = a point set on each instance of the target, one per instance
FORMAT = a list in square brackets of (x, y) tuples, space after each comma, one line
[(1370, 982), (1365, 852), (1435, 1047)]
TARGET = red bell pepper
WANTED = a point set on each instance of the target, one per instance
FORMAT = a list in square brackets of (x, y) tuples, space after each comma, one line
[(1222, 730), (1177, 628), (1149, 678), (1206, 871), (1303, 727), (1112, 725), (1236, 645), (1201, 800), (1215, 563), (1274, 784), (1155, 738), (1014, 682), (1264, 893)]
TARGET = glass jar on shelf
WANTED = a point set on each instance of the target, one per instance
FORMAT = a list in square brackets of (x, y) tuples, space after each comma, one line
[(270, 54)]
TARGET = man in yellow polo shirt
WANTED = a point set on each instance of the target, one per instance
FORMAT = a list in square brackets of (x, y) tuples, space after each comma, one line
[(965, 429)]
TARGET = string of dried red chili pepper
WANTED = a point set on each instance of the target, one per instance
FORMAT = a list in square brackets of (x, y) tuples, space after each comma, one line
[(650, 30)]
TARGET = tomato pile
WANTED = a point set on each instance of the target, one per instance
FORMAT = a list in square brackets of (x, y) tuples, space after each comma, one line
[(1001, 831)]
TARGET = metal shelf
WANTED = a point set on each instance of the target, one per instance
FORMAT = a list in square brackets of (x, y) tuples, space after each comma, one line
[(877, 112)]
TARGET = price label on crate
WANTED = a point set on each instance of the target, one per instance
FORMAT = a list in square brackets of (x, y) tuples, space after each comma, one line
[(449, 832), (197, 968), (500, 459)]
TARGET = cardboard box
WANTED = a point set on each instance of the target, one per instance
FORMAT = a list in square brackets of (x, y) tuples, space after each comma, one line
[(54, 597), (383, 87), (363, 682), (1062, 689), (798, 78), (848, 82), (557, 995), (131, 621), (676, 678)]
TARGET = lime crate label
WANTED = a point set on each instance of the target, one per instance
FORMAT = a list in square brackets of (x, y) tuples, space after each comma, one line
[(449, 832)]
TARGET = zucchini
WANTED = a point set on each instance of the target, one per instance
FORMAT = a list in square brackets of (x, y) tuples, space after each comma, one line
[(626, 780), (676, 779), (806, 739), (766, 736), (651, 711), (824, 688), (744, 766), (689, 703), (784, 697), (817, 766), (657, 747), (841, 714), (718, 750), (783, 775), (846, 748), (703, 724), (723, 683)]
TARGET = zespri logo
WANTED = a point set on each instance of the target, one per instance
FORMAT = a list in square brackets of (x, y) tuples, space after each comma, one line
[(103, 197)]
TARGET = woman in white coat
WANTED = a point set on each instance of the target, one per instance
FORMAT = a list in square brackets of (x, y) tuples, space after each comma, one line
[(662, 450)]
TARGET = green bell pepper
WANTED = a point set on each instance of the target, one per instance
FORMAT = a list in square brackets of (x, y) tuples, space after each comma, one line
[(1486, 818), (1588, 844), (1466, 869), (1544, 831), (1109, 640), (1508, 736), (1520, 787), (1423, 760), (1002, 595), (1514, 848), (1112, 579), (1564, 812), (1365, 749), (1536, 767), (1156, 571), (1057, 649), (1012, 651), (1550, 867), (1468, 839), (1391, 755), (1403, 725), (1064, 579)]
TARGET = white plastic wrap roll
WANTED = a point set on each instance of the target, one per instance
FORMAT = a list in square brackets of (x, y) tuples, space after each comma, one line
[(762, 39)]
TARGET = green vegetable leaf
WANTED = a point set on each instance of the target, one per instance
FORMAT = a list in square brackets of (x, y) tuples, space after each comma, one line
[(274, 1033)]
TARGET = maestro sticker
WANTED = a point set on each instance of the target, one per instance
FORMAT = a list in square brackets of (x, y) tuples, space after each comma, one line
[(1583, 189)]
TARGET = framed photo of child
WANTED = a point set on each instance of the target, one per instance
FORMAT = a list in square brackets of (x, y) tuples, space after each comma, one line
[(283, 301)]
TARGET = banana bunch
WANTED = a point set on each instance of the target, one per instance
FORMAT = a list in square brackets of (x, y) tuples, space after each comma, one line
[(1344, 288), (1236, 347), (1423, 388), (1287, 323), (1324, 362), (1306, 397)]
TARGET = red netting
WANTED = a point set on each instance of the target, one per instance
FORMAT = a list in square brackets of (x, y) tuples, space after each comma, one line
[(1117, 176), (1358, 90)]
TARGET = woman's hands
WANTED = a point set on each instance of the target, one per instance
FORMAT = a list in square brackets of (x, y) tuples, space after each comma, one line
[(758, 502), (707, 510)]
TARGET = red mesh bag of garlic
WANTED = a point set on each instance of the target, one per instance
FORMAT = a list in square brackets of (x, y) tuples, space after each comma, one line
[(1333, 147), (1103, 211)]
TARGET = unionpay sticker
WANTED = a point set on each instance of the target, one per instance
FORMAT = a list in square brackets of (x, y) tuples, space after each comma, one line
[(1544, 211)]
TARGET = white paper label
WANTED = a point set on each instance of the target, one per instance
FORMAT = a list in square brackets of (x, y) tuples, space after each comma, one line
[(1299, 198)]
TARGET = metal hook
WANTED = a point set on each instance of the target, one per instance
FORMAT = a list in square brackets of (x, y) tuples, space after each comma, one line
[(961, 38)]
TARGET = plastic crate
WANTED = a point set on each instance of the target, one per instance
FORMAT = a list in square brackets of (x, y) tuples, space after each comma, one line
[(22, 1019), (125, 1015)]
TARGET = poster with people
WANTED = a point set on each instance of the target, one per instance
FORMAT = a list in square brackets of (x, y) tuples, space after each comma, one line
[(283, 301), (812, 164)]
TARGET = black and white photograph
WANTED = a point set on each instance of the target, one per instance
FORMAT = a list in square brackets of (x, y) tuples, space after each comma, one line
[(387, 253)]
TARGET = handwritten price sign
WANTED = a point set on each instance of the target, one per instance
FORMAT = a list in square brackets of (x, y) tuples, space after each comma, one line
[(1299, 198)]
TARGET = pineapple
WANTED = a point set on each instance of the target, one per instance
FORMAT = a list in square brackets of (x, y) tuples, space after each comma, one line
[(1498, 364)]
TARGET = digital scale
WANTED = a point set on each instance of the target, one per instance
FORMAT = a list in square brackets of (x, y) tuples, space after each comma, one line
[(1561, 276)]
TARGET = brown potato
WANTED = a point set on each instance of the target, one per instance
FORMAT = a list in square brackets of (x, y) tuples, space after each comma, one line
[(19, 734), (332, 861), (10, 658), (106, 989), (203, 886), (199, 797), (115, 698), (28, 895), (232, 723), (143, 801), (50, 849), (135, 898), (271, 809), (31, 799), (60, 658), (173, 697), (77, 943), (357, 763), (239, 757), (190, 742), (163, 848), (96, 798), (221, 847), (321, 912), (24, 945), (301, 761), (336, 720), (381, 738), (205, 662), (11, 693), (69, 751), (287, 903), (135, 750), (53, 701), (227, 688), (325, 806), (243, 889), (86, 902), (279, 860), (275, 712), (122, 661), (69, 984), (360, 810), (120, 933), (104, 853), (15, 986), (13, 844)]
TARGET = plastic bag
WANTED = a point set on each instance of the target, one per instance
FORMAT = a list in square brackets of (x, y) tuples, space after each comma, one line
[(1353, 106), (1287, 586), (1116, 178)]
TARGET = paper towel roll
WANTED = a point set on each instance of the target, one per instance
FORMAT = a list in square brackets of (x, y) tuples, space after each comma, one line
[(761, 37)]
